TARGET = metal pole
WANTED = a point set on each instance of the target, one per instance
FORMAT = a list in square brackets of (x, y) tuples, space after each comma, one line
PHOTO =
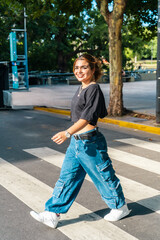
[(158, 70), (25, 49)]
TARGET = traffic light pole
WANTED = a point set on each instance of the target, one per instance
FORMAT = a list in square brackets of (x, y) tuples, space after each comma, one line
[(25, 50), (158, 70), (15, 59)]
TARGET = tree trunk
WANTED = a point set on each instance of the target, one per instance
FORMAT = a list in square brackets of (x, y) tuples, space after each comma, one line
[(114, 20), (61, 62), (115, 107)]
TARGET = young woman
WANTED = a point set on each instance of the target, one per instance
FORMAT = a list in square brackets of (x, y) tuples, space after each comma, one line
[(87, 152)]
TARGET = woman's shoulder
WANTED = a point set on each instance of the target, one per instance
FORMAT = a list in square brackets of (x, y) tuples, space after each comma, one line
[(93, 90), (93, 86)]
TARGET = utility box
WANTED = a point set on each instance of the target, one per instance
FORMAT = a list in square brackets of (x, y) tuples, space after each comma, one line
[(4, 82)]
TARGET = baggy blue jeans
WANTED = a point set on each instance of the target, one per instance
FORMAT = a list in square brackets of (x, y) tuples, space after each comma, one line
[(91, 157)]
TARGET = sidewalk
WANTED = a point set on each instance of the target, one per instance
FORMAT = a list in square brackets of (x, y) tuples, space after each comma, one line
[(139, 97)]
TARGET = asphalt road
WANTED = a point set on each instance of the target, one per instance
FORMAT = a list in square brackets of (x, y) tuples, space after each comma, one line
[(29, 171)]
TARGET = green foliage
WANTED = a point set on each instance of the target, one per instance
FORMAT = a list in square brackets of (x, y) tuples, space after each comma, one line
[(134, 46), (142, 14), (58, 30), (53, 37), (71, 7)]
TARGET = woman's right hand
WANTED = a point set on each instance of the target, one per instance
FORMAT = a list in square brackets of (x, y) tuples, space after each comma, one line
[(59, 137)]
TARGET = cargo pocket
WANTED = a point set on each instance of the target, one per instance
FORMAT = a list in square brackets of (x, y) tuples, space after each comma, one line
[(115, 187), (108, 175), (58, 188), (106, 170)]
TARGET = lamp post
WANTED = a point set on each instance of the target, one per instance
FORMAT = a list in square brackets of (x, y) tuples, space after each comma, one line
[(158, 70)]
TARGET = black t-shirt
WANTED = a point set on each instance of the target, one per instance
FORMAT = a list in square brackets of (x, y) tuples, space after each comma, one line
[(88, 104)]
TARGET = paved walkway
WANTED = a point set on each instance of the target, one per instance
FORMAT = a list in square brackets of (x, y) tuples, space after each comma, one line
[(137, 96)]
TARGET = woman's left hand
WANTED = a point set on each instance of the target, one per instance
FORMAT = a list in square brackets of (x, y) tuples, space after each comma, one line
[(59, 137)]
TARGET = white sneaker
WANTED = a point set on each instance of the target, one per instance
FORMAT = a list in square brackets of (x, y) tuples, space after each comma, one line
[(48, 218), (117, 214)]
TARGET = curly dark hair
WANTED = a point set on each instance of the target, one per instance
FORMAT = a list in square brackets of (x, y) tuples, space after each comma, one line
[(94, 63)]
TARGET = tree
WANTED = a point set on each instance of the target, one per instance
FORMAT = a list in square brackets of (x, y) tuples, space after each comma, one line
[(136, 48), (61, 16), (53, 39), (137, 13), (114, 20)]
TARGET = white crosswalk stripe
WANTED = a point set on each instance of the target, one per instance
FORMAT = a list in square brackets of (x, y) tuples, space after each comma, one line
[(91, 226), (144, 195), (83, 223), (140, 143), (134, 160)]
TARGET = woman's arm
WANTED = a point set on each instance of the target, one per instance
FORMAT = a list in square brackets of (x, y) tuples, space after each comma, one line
[(60, 137)]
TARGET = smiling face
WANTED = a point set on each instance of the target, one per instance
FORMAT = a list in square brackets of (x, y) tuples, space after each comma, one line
[(83, 72)]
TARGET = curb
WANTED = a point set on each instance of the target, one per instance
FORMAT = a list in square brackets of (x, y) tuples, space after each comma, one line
[(121, 123), (53, 110)]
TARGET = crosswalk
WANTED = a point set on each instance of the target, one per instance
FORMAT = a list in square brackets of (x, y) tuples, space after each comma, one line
[(85, 224)]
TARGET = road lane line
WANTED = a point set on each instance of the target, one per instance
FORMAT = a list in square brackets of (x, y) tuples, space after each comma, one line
[(134, 160), (140, 143), (78, 224), (136, 192)]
